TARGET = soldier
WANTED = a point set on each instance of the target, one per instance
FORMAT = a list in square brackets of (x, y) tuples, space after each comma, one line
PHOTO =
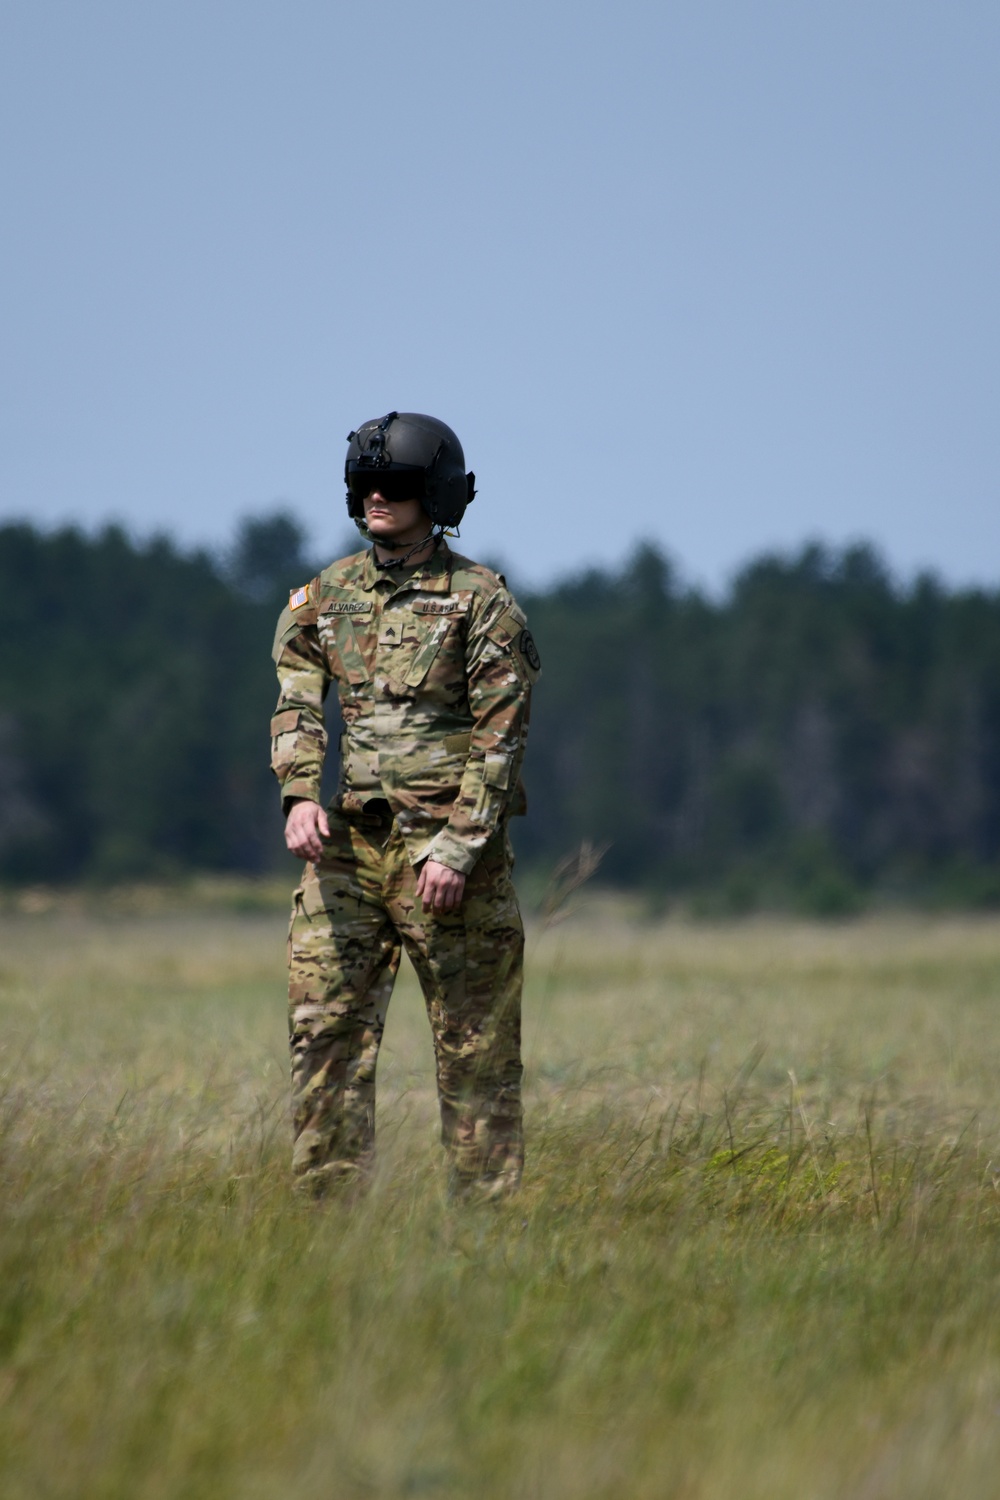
[(433, 664)]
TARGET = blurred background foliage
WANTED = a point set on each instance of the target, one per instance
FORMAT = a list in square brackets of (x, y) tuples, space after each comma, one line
[(820, 737)]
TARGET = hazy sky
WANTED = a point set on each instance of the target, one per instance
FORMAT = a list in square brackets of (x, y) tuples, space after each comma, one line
[(722, 273)]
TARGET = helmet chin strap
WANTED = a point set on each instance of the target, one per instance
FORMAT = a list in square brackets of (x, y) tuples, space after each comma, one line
[(400, 562)]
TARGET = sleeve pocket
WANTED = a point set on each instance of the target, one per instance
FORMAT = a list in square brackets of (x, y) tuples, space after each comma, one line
[(284, 722), (497, 771)]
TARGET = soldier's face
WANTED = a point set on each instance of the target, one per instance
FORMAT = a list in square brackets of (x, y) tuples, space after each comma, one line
[(396, 520)]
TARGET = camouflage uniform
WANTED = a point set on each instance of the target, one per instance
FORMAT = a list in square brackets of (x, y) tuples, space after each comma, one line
[(433, 667)]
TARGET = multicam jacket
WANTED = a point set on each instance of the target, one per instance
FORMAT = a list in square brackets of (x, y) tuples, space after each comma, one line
[(434, 671)]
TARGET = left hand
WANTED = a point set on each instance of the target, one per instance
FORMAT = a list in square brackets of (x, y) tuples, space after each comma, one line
[(440, 888)]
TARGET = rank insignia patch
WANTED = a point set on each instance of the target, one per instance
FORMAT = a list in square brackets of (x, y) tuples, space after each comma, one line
[(297, 598)]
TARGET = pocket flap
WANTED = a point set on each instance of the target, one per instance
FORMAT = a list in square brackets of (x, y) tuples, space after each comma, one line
[(497, 771), (421, 663), (291, 718)]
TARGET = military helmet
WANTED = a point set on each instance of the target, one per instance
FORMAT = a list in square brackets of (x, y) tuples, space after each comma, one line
[(425, 455)]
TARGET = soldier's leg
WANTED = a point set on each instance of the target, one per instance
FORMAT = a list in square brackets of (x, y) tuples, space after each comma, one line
[(343, 955), (470, 966)]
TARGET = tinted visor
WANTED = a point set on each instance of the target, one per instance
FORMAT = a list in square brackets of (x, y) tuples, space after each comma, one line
[(392, 484)]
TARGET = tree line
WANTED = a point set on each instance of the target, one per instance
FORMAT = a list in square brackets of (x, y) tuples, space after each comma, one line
[(820, 735)]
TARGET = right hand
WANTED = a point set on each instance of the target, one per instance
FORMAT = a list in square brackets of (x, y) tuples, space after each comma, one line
[(305, 823)]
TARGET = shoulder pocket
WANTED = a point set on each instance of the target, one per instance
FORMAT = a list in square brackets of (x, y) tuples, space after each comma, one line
[(507, 627), (511, 633), (297, 613), (288, 628)]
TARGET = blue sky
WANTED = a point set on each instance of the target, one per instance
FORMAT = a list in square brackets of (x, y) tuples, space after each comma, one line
[(721, 274)]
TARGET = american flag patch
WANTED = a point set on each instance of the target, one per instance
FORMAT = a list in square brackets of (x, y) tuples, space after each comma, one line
[(297, 598)]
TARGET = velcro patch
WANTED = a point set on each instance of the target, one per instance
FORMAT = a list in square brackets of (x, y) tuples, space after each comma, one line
[(298, 597), (453, 606), (346, 607)]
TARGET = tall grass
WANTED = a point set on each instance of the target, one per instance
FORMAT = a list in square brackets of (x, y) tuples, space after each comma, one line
[(757, 1253)]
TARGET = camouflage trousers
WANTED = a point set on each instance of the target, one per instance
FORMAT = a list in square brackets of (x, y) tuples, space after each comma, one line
[(354, 911)]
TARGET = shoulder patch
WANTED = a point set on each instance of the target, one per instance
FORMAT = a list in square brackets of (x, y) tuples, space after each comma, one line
[(298, 597), (528, 649)]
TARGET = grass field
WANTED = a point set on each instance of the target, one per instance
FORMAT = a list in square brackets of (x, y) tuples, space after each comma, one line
[(757, 1253)]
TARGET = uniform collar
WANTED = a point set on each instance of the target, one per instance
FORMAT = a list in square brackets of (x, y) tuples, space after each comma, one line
[(432, 577)]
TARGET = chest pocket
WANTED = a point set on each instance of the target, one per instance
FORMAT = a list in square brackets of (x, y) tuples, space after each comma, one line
[(345, 629), (417, 634)]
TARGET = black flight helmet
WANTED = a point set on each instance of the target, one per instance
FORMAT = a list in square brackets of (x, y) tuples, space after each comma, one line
[(408, 456)]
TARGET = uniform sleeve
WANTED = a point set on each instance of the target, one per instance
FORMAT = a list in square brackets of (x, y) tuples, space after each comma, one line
[(502, 665), (298, 731)]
